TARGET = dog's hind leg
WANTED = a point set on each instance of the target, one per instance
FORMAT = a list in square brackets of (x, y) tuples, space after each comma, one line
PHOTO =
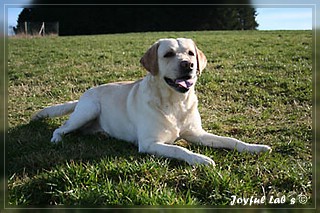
[(84, 113)]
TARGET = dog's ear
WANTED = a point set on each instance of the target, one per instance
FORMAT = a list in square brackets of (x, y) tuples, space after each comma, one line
[(201, 60), (150, 59)]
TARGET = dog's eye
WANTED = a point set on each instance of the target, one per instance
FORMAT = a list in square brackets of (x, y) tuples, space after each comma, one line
[(169, 54), (191, 53)]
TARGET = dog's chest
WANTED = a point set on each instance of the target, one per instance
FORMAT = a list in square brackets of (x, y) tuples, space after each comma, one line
[(175, 115)]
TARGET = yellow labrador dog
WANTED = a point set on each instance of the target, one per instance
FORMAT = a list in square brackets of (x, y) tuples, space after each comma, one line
[(152, 112)]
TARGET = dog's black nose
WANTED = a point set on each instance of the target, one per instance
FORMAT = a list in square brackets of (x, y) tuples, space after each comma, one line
[(186, 66)]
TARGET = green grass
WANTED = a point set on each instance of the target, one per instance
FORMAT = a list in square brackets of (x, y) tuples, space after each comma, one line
[(257, 87)]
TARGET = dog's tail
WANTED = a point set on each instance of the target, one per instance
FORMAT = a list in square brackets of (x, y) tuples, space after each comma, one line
[(55, 111)]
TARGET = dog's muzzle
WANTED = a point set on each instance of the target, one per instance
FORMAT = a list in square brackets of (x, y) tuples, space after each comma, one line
[(182, 84)]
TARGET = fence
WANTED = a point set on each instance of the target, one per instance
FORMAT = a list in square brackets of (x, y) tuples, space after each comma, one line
[(37, 28)]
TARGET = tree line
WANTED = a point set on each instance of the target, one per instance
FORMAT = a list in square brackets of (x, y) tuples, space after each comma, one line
[(80, 20)]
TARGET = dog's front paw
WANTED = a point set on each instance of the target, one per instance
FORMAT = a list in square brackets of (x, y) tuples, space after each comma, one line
[(260, 148), (201, 159), (266, 148)]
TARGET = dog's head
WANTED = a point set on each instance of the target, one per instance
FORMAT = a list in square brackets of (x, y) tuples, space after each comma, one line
[(176, 61)]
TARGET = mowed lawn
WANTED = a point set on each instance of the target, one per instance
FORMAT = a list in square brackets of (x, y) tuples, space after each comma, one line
[(257, 87)]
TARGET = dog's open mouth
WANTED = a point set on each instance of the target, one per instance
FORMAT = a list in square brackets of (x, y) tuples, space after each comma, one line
[(182, 84)]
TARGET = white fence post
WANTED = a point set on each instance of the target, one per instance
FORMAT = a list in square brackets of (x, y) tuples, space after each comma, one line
[(37, 28), (42, 30), (26, 28)]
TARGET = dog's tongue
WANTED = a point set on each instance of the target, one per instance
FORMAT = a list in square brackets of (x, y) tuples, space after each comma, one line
[(185, 83)]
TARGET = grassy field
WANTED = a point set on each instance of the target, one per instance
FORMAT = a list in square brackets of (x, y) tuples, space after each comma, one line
[(257, 87)]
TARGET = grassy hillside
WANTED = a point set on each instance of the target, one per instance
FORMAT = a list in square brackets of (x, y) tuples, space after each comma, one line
[(257, 87)]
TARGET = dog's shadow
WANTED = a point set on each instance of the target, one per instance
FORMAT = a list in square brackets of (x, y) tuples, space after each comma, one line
[(29, 150)]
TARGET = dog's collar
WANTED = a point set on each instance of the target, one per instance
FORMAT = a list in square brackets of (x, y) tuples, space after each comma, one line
[(182, 84)]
